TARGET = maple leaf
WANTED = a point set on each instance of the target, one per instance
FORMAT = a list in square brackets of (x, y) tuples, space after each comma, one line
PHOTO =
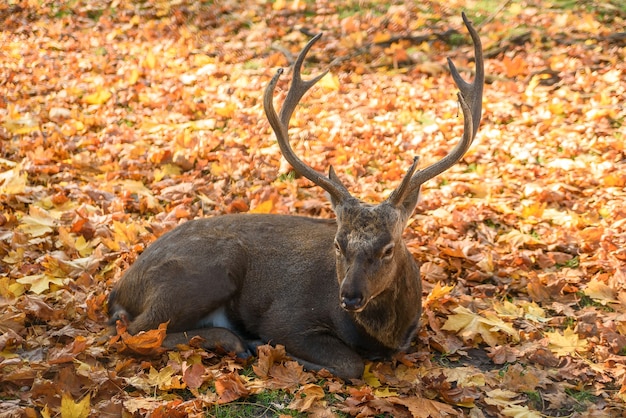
[(439, 292), (229, 387), (306, 397), (40, 283), (71, 409), (518, 239), (193, 375), (520, 411), (164, 379), (502, 397), (470, 325), (567, 343), (600, 291), (145, 342), (38, 222)]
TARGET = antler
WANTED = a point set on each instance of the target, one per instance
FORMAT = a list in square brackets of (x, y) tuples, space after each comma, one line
[(280, 125), (470, 98)]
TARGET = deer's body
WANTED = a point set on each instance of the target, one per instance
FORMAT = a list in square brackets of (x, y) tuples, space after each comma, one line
[(331, 292), (265, 289)]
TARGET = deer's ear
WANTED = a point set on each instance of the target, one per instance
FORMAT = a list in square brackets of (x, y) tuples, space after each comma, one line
[(409, 202)]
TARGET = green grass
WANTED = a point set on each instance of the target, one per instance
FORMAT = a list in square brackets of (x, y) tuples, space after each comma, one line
[(265, 404), (582, 398), (534, 399)]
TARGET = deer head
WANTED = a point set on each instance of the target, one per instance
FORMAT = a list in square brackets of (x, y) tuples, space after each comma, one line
[(370, 252)]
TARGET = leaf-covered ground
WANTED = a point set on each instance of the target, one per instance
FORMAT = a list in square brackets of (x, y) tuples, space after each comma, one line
[(120, 120)]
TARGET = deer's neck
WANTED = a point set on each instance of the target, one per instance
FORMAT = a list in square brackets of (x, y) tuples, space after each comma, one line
[(392, 317)]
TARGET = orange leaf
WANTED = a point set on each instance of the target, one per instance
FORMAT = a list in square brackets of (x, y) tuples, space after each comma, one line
[(514, 67), (229, 387), (148, 342), (193, 376)]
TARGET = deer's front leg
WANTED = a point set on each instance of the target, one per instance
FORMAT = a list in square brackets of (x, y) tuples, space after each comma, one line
[(323, 351), (211, 338)]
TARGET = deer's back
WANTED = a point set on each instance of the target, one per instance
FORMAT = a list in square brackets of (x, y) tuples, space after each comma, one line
[(272, 262)]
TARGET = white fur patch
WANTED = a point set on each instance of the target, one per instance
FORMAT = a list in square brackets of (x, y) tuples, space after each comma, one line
[(216, 319)]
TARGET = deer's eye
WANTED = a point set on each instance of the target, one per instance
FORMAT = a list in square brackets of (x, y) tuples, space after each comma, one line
[(338, 249), (387, 252)]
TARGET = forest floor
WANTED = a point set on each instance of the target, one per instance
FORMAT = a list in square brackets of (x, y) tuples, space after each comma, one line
[(120, 120)]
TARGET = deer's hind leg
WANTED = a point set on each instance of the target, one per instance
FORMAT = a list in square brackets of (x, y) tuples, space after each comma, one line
[(179, 292)]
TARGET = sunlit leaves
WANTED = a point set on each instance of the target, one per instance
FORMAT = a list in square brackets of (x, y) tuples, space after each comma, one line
[(39, 283), (13, 181), (117, 124), (477, 328)]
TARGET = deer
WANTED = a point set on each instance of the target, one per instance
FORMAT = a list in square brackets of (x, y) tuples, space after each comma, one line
[(333, 292)]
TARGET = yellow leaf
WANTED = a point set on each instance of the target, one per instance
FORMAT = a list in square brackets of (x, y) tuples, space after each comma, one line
[(306, 397), (471, 326), (520, 411), (517, 239), (566, 343), (438, 293), (279, 5), (21, 125), (600, 291), (507, 308), (465, 376), (97, 98), (200, 60), (534, 312), (380, 37), (13, 181), (165, 379), (37, 223), (217, 169), (45, 412), (71, 409), (226, 110), (614, 180), (166, 170), (266, 206), (385, 392), (133, 76), (39, 283), (83, 247), (502, 397), (150, 60), (369, 378), (329, 82), (534, 210)]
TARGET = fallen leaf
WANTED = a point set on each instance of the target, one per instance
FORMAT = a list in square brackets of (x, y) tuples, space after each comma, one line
[(567, 343), (229, 387), (71, 409)]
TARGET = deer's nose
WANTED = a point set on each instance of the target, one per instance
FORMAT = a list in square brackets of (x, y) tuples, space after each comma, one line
[(352, 302)]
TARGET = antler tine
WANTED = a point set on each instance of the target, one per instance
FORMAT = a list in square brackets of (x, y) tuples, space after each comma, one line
[(473, 92), (280, 125), (395, 198), (470, 97)]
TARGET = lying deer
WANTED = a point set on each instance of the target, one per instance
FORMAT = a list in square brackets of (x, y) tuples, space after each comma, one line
[(330, 291)]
